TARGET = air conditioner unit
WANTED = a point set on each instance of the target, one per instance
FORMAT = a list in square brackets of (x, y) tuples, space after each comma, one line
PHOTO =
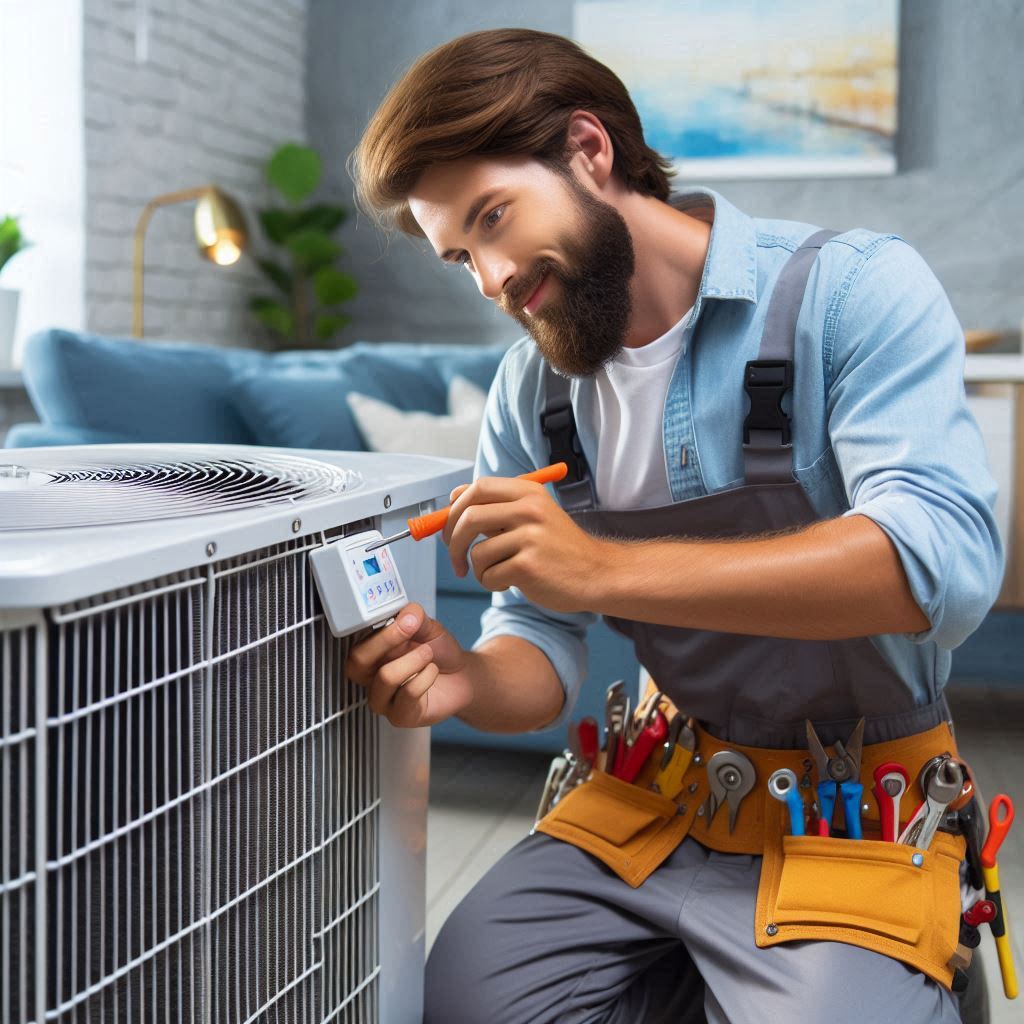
[(200, 819)]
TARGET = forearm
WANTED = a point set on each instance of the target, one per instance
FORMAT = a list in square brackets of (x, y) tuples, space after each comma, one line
[(834, 580), (515, 687)]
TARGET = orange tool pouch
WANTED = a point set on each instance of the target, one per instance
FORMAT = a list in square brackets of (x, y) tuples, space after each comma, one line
[(864, 892)]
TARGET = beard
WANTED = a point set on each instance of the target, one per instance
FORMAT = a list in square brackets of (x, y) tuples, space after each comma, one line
[(582, 328)]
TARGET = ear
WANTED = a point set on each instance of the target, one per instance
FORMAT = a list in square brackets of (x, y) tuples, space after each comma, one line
[(592, 152)]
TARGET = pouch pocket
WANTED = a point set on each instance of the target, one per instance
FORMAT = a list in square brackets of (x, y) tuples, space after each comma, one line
[(630, 829), (867, 893)]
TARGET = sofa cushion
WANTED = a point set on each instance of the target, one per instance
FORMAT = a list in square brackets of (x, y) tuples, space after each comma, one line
[(298, 399), (165, 391), (453, 435), (43, 435)]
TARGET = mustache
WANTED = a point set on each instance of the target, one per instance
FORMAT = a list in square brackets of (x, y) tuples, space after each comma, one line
[(512, 299)]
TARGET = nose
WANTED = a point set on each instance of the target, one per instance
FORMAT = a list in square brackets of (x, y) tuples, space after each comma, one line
[(493, 273)]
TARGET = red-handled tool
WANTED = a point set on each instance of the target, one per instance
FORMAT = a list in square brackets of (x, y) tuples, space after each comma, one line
[(891, 781), (653, 735), (1000, 817), (588, 739), (980, 912), (435, 522)]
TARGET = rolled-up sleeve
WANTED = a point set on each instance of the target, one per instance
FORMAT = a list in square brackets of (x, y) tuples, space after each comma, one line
[(909, 449), (508, 422)]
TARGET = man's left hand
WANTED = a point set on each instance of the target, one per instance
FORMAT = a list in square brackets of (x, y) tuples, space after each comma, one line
[(530, 543)]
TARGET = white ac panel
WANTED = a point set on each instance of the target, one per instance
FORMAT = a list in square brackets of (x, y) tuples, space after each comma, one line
[(200, 819)]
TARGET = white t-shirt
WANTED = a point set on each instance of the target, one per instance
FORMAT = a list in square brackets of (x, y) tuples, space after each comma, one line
[(628, 417)]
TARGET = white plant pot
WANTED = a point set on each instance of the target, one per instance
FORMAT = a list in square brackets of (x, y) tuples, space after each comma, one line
[(8, 321)]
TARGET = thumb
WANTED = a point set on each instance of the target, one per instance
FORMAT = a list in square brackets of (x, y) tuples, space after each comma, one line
[(418, 627)]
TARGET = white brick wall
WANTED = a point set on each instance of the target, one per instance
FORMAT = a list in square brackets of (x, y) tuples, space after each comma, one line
[(220, 87)]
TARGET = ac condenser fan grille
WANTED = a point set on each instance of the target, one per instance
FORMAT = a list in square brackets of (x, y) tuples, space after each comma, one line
[(45, 490)]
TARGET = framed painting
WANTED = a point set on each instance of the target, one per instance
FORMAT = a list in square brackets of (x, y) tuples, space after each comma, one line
[(744, 89)]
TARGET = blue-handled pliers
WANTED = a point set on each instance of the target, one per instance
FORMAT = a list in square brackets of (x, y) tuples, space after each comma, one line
[(840, 772)]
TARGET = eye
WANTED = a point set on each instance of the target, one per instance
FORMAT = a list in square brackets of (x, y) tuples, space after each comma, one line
[(462, 260), (491, 220)]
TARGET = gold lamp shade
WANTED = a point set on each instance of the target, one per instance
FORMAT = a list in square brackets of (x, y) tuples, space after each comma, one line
[(220, 227), (220, 233)]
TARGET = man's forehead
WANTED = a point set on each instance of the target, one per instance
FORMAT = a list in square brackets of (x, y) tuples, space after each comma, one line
[(444, 193)]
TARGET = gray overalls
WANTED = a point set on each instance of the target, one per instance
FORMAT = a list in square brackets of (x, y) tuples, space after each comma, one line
[(550, 934)]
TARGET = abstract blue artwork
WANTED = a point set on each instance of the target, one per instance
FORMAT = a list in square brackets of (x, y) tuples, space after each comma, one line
[(741, 88)]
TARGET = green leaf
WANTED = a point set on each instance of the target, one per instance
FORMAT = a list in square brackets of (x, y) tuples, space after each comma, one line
[(312, 249), (294, 171), (328, 324), (323, 217), (11, 239), (332, 286), (272, 314), (277, 274), (277, 224)]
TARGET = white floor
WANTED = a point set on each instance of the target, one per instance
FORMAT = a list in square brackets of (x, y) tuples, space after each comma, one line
[(483, 801)]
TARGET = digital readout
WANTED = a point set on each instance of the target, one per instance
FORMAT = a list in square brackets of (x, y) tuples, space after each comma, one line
[(371, 565)]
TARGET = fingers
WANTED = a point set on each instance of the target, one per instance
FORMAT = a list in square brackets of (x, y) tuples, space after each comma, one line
[(411, 625), (403, 671), (486, 521), (489, 558), (485, 491)]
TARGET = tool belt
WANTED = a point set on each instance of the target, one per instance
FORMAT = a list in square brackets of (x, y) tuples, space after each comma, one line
[(888, 897)]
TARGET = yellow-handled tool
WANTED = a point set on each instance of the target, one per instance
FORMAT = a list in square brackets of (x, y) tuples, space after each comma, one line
[(435, 522), (1000, 816)]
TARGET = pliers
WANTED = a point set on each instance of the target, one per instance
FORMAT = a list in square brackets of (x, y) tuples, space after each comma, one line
[(840, 772)]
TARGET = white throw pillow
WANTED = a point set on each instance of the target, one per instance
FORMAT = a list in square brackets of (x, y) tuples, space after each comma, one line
[(455, 435)]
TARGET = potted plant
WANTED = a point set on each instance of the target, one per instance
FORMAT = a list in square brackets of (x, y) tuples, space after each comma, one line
[(310, 288), (12, 241)]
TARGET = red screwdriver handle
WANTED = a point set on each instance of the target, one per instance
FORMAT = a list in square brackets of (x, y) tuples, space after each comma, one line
[(434, 522), (1000, 818), (980, 912)]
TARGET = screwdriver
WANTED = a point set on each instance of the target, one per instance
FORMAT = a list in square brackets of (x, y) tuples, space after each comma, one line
[(433, 522), (1000, 816)]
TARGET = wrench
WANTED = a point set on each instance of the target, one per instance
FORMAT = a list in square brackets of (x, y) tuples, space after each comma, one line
[(942, 785), (891, 781), (616, 710), (732, 777)]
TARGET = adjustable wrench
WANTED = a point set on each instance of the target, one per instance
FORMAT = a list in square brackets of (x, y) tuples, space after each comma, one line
[(942, 784)]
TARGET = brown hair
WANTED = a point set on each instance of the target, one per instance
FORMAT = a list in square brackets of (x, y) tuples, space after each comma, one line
[(502, 92)]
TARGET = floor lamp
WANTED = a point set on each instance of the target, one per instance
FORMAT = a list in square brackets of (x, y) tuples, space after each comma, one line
[(220, 233)]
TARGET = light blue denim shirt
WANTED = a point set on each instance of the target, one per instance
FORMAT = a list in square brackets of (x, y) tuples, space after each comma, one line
[(881, 426)]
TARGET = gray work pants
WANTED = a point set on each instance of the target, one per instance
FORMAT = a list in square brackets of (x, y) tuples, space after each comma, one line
[(550, 934)]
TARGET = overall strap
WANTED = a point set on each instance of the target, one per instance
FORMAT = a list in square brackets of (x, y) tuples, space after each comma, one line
[(558, 422), (767, 445)]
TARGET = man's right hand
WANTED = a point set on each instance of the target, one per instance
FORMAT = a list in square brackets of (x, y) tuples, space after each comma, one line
[(413, 669)]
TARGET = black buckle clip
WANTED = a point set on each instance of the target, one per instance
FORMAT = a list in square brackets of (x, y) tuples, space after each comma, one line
[(558, 426), (765, 382)]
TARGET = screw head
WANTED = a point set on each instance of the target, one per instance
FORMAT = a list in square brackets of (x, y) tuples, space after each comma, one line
[(211, 549), (693, 787), (771, 929), (387, 501), (917, 860), (697, 759), (296, 525)]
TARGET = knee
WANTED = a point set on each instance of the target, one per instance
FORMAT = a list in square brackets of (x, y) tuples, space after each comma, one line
[(457, 974)]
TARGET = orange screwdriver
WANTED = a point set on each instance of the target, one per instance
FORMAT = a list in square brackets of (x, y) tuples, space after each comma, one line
[(1000, 819), (434, 522)]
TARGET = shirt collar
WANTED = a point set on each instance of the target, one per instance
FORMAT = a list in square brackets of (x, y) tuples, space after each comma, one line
[(730, 270)]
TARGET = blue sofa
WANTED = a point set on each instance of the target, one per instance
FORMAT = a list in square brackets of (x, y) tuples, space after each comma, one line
[(88, 389)]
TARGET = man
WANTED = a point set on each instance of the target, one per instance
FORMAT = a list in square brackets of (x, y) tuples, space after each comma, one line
[(765, 581)]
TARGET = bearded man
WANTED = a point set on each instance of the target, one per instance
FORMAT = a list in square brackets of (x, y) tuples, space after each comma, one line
[(776, 491)]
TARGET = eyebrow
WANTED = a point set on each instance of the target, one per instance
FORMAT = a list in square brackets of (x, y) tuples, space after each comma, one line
[(471, 215)]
